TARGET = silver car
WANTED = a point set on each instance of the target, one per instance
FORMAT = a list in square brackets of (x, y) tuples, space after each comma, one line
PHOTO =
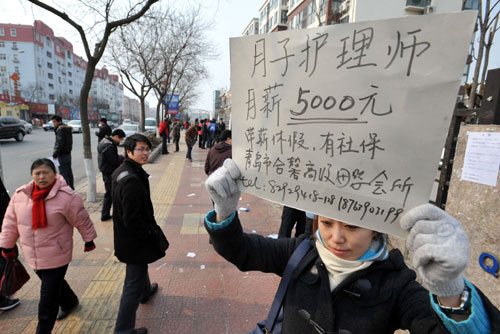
[(76, 124)]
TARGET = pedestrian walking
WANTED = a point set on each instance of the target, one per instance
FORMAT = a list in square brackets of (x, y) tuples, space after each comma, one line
[(138, 239), (62, 149), (204, 133), (211, 133), (349, 281), (219, 153), (42, 214), (164, 135), (176, 133), (6, 303), (190, 138), (169, 125), (220, 127), (199, 127), (108, 161), (104, 129), (291, 217)]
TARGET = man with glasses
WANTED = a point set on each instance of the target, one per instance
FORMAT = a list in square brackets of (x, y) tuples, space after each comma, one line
[(137, 237)]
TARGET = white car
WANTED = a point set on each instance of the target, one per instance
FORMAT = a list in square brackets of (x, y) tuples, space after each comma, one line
[(129, 130), (27, 126), (150, 125), (76, 124)]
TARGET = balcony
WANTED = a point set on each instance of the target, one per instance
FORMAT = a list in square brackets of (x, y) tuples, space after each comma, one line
[(417, 6)]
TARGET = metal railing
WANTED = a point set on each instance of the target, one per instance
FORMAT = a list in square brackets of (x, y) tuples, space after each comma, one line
[(418, 3)]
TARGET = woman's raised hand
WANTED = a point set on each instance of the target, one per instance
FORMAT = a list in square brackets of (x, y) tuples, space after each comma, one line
[(440, 248), (224, 188)]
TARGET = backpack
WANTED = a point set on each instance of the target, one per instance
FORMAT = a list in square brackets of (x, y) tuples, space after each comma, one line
[(211, 127)]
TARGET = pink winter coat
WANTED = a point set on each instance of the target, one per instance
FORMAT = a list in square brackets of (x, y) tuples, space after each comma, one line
[(51, 246)]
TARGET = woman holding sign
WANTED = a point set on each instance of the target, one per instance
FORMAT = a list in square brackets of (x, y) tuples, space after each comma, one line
[(349, 282)]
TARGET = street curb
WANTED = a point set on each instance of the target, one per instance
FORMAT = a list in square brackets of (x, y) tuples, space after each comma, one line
[(154, 154)]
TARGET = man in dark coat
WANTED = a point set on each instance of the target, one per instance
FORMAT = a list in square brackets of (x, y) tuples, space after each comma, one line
[(6, 303), (109, 160), (104, 130), (137, 237), (204, 133), (219, 128), (176, 131), (220, 152), (62, 149)]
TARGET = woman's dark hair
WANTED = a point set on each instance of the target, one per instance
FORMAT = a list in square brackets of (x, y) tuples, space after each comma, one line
[(43, 162)]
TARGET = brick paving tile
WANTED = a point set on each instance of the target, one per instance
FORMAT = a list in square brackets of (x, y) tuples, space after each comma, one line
[(200, 294)]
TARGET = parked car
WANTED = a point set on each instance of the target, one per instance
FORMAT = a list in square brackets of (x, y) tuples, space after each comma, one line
[(150, 125), (76, 124), (28, 127), (127, 121), (48, 126), (129, 130), (11, 127)]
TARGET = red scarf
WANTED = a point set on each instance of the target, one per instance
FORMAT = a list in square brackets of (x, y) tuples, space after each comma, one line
[(39, 217)]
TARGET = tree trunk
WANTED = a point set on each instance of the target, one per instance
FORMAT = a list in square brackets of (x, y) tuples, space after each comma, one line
[(142, 116), (87, 146)]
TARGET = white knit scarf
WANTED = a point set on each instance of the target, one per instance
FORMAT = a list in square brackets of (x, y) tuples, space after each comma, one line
[(338, 269)]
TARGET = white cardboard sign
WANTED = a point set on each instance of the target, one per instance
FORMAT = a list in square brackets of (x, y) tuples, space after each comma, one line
[(348, 121)]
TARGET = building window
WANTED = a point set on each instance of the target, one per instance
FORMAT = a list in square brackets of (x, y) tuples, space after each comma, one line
[(3, 69), (50, 76), (284, 17), (49, 65), (3, 56), (5, 81), (71, 91), (69, 65), (51, 86), (52, 97), (16, 69), (2, 32), (69, 73), (58, 49), (70, 83), (13, 32), (14, 45), (49, 54), (2, 44)]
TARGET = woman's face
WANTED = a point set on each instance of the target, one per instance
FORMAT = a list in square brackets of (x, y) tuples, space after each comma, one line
[(348, 242), (43, 176)]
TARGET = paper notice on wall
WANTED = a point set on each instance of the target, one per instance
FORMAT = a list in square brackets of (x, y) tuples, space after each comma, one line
[(349, 120), (482, 158)]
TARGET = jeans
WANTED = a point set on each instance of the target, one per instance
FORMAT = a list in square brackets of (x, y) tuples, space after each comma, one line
[(135, 287), (288, 219), (190, 148), (54, 292), (106, 204), (65, 169)]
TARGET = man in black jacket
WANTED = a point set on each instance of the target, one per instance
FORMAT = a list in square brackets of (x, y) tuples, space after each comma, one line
[(138, 239), (104, 130), (62, 148), (109, 160)]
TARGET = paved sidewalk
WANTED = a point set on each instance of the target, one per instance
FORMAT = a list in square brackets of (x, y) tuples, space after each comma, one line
[(200, 294)]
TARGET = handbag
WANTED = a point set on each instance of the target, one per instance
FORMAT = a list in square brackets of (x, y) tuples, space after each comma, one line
[(273, 323), (13, 278), (161, 240)]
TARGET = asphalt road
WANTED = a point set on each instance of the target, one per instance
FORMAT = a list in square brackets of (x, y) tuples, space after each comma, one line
[(18, 156)]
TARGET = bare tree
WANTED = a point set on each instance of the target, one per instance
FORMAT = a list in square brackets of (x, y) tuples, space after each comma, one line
[(107, 12), (487, 25)]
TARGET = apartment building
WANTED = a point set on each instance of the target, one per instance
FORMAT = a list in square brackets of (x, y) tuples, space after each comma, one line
[(252, 28), (48, 72), (273, 16)]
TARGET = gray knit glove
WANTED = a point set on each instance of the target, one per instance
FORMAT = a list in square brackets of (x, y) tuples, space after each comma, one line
[(440, 248), (224, 188)]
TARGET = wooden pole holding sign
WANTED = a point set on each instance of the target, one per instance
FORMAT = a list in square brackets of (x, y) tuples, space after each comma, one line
[(348, 121)]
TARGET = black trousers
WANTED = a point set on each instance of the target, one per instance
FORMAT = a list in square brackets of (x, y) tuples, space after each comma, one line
[(289, 217), (106, 204), (135, 287), (164, 148), (65, 169), (190, 145), (54, 292), (176, 141)]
